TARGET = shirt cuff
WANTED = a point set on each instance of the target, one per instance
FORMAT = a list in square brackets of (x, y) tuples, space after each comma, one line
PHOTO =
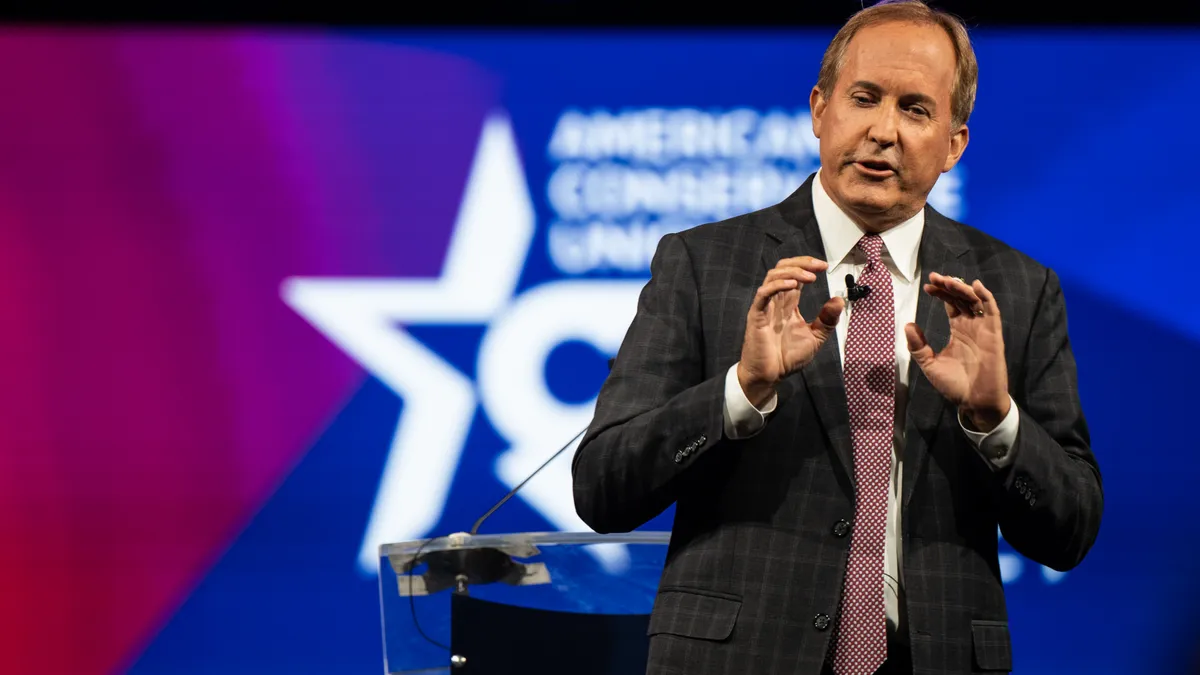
[(996, 446), (742, 419)]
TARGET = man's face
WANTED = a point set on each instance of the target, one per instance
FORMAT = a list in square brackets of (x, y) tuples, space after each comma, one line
[(885, 129)]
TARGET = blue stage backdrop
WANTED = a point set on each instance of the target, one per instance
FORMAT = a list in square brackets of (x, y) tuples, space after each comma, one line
[(423, 248)]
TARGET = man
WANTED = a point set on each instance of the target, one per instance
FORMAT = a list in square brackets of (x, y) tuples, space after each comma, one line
[(844, 395)]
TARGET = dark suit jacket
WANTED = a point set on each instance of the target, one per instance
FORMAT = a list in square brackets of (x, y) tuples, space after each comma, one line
[(755, 565)]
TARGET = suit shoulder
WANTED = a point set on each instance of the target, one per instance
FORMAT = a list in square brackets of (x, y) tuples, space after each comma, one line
[(991, 251)]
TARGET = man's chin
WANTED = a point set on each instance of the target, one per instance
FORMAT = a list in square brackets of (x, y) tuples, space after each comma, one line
[(873, 201)]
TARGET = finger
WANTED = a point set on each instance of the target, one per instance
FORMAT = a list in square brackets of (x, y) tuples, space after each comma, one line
[(768, 290), (952, 284), (985, 296), (784, 304), (954, 306), (972, 298), (799, 274), (958, 288), (946, 296), (786, 309), (790, 300), (776, 315), (827, 319), (804, 262), (918, 346)]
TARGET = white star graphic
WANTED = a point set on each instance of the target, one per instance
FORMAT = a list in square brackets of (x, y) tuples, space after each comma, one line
[(491, 238)]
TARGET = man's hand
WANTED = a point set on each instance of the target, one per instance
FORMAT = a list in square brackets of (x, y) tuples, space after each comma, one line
[(778, 340), (970, 372)]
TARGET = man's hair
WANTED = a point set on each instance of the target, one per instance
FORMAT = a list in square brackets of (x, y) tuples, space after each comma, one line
[(966, 70)]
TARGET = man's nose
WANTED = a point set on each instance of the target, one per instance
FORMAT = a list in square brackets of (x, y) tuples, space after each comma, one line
[(884, 127)]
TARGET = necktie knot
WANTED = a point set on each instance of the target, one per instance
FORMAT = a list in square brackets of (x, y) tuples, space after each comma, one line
[(872, 246)]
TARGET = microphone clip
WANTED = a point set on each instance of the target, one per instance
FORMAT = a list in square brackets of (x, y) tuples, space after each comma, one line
[(855, 291)]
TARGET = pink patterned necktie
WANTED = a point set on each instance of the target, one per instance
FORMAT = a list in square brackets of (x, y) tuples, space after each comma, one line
[(870, 377)]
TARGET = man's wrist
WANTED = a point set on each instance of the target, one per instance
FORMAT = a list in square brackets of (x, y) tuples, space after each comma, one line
[(757, 392), (986, 418)]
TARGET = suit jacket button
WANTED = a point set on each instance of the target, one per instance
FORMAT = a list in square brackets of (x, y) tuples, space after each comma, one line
[(821, 621), (841, 528)]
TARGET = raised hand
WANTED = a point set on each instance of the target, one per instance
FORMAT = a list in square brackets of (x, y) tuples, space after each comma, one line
[(971, 371), (778, 340)]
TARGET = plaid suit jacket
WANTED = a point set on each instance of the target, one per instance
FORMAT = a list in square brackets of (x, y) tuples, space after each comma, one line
[(755, 565)]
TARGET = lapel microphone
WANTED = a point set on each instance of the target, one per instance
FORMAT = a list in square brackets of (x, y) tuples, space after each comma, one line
[(855, 291)]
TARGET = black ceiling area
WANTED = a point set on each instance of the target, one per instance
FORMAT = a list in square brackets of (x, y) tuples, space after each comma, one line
[(765, 14)]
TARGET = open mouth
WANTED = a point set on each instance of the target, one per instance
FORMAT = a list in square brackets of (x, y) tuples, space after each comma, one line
[(875, 167)]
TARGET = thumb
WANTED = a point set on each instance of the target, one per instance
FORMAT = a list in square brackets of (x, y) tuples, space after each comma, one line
[(918, 346), (827, 319)]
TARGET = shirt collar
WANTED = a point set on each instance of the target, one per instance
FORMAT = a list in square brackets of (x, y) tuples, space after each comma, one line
[(839, 234)]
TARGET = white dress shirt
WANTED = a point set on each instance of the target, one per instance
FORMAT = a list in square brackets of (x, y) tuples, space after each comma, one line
[(840, 234)]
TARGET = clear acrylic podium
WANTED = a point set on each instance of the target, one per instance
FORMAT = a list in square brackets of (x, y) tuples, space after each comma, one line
[(560, 602)]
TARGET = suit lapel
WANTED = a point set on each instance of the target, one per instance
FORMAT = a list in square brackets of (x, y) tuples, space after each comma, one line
[(942, 249), (792, 233)]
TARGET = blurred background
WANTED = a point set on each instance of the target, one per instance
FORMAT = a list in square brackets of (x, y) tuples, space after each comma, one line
[(280, 286)]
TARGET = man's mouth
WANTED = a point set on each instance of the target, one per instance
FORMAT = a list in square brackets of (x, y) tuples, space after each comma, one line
[(875, 168)]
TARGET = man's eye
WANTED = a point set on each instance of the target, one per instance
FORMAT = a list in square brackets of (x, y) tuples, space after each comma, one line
[(862, 100)]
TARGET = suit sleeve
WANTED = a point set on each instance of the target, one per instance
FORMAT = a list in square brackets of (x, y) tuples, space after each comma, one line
[(1050, 496), (657, 413)]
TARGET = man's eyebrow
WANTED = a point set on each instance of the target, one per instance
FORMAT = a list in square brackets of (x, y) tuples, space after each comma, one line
[(869, 86), (915, 97)]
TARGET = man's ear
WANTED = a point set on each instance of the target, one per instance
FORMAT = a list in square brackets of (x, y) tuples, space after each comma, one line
[(958, 145), (817, 103)]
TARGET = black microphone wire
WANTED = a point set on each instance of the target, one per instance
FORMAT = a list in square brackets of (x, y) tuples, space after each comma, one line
[(412, 604)]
